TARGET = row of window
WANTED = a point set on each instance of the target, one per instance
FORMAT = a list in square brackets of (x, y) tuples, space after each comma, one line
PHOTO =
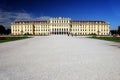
[(60, 29), (29, 26), (59, 25), (81, 30), (23, 30), (31, 30), (88, 24), (43, 30), (60, 21), (22, 27), (41, 27), (85, 26), (91, 33), (89, 29)]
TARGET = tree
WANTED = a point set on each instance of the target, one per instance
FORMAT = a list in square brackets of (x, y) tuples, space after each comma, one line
[(2, 29), (113, 32), (119, 30), (8, 31)]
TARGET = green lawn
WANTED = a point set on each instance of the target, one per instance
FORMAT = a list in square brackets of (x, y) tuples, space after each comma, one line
[(114, 39), (11, 38)]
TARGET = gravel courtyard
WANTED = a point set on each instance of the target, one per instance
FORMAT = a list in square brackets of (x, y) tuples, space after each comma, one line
[(59, 57)]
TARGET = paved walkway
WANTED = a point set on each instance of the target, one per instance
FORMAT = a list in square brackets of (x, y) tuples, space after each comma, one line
[(59, 58)]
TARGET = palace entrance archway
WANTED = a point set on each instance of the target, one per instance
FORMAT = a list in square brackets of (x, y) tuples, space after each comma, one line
[(61, 31)]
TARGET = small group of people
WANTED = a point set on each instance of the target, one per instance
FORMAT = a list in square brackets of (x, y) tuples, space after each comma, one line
[(70, 34)]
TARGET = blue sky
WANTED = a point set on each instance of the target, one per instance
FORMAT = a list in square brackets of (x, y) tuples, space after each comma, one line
[(105, 10)]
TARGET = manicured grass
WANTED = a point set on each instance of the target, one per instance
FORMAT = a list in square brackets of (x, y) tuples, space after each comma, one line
[(11, 38), (114, 39)]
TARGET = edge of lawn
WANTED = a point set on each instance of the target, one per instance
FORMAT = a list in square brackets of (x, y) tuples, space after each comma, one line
[(112, 39), (20, 38)]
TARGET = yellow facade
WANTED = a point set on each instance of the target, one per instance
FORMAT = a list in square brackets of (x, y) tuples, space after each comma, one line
[(90, 27), (60, 26)]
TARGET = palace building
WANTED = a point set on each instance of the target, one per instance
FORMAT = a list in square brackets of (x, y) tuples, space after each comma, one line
[(60, 26)]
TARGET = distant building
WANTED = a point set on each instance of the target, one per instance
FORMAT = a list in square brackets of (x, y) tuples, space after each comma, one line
[(60, 26)]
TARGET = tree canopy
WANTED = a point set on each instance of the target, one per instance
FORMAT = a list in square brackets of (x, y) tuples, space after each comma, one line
[(119, 30), (4, 31)]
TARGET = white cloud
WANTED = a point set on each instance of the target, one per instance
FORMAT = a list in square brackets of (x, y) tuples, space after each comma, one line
[(43, 18), (6, 18)]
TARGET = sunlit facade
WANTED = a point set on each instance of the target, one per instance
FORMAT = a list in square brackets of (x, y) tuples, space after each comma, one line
[(60, 26)]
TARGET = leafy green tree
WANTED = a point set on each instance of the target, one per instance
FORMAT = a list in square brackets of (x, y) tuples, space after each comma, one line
[(119, 30), (2, 29), (8, 31)]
